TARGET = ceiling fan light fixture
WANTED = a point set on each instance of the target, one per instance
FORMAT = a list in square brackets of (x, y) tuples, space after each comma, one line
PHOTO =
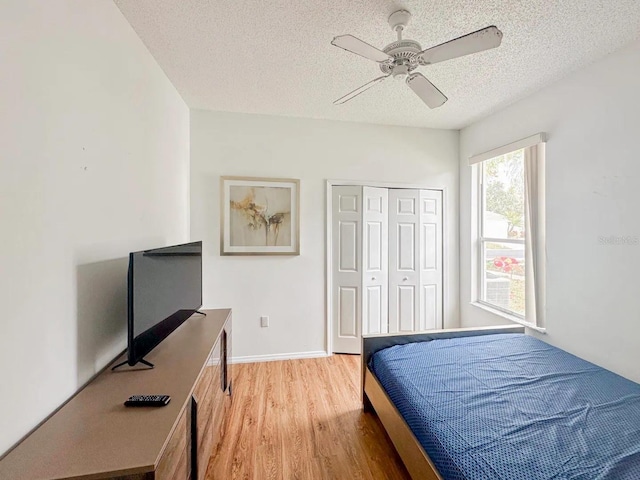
[(400, 71)]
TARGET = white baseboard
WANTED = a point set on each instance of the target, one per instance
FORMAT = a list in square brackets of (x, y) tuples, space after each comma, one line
[(278, 356)]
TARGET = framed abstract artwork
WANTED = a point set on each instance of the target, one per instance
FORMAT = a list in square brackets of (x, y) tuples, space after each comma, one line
[(259, 216)]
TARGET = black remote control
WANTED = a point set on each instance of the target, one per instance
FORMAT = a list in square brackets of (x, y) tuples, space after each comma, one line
[(147, 401)]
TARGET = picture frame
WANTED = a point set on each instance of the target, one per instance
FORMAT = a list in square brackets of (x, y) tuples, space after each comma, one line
[(259, 216)]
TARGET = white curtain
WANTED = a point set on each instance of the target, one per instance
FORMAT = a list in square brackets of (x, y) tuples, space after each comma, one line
[(535, 250)]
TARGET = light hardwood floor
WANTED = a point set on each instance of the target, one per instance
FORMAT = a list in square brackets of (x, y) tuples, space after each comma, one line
[(302, 419)]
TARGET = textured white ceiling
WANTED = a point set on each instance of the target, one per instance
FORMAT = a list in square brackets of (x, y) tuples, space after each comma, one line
[(275, 57)]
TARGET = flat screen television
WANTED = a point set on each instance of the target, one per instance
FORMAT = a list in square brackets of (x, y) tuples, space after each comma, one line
[(164, 290)]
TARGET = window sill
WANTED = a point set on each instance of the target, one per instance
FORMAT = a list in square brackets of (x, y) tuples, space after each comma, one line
[(511, 318)]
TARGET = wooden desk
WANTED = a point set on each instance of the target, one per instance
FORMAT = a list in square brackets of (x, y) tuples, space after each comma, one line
[(94, 436)]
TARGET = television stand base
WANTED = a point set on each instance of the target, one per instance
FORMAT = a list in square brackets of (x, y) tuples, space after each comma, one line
[(201, 313), (143, 361)]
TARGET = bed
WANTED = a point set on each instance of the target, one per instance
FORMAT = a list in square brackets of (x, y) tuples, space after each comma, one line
[(495, 404)]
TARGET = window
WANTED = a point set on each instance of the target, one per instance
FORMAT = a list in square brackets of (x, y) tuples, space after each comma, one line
[(502, 233), (511, 230)]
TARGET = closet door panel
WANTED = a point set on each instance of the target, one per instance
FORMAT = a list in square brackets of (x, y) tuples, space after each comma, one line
[(404, 255), (375, 254), (346, 265), (431, 260)]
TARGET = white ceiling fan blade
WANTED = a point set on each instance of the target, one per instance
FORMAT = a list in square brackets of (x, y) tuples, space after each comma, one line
[(357, 46), (426, 90), (359, 90), (485, 39)]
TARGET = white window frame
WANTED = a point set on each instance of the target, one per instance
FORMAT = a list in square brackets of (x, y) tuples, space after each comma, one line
[(478, 292)]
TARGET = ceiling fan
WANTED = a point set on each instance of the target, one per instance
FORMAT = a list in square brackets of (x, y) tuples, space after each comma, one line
[(400, 58)]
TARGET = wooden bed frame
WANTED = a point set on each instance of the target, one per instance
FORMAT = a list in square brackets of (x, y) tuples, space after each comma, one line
[(374, 398)]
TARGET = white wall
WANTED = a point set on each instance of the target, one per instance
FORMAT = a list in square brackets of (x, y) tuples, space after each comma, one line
[(291, 290), (593, 176), (94, 163)]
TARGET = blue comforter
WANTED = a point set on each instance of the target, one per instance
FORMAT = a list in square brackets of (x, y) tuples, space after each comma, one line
[(511, 407)]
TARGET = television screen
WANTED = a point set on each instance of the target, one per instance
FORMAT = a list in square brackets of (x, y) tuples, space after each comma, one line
[(165, 289)]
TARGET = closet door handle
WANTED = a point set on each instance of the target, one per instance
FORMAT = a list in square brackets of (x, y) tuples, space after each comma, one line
[(404, 279), (373, 278)]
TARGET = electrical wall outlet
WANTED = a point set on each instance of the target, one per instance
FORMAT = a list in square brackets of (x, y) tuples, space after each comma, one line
[(264, 321)]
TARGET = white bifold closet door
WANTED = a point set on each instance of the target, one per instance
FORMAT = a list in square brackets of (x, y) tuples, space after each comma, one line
[(415, 260), (386, 262)]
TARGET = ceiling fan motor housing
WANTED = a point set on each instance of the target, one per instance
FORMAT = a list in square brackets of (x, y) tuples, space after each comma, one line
[(404, 53)]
